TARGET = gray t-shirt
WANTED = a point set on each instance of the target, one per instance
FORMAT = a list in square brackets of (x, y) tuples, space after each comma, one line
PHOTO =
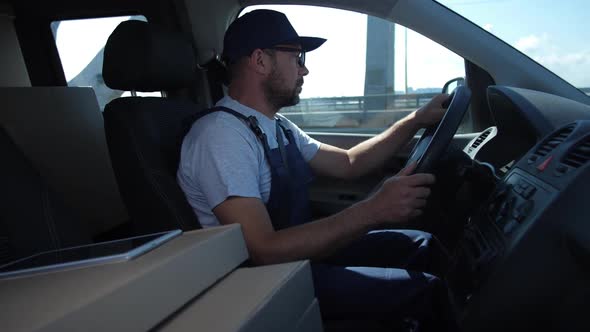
[(221, 157)]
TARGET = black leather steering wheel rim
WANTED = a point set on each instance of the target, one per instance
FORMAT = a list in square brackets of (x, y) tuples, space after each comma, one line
[(435, 140)]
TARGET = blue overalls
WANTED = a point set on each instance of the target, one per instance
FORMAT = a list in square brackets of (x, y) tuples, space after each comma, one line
[(359, 281)]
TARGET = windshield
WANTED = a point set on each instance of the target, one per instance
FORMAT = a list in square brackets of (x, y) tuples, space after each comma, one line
[(548, 31)]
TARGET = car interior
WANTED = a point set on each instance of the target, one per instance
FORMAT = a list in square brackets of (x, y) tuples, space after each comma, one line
[(92, 158)]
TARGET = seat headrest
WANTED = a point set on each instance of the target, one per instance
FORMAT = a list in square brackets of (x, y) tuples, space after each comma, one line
[(142, 57)]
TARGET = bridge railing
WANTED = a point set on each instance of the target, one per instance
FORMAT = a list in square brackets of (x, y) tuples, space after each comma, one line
[(361, 103), (370, 113)]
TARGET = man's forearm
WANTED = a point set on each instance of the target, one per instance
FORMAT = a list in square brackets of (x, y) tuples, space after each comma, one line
[(399, 199), (372, 153), (316, 239)]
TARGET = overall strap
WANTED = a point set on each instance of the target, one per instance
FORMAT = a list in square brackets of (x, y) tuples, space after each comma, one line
[(251, 121), (282, 144), (288, 133)]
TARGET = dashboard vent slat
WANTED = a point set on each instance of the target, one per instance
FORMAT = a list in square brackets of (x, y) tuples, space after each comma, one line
[(482, 137), (579, 155), (553, 141)]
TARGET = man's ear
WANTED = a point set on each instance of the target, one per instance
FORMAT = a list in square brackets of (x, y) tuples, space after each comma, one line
[(260, 62)]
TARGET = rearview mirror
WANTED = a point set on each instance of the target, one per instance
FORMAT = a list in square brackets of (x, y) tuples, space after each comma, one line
[(453, 84)]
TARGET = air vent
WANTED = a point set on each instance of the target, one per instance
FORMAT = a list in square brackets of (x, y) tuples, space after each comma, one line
[(477, 142), (481, 138), (552, 142), (579, 155)]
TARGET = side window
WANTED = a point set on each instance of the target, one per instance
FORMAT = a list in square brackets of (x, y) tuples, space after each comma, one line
[(369, 74), (80, 44)]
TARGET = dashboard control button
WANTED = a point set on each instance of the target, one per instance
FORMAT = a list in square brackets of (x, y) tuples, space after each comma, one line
[(523, 210), (529, 192), (505, 209), (510, 226)]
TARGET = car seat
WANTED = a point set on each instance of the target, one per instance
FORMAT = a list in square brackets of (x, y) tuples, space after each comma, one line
[(144, 134)]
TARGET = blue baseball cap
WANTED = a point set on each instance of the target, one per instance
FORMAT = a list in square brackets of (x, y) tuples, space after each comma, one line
[(263, 28)]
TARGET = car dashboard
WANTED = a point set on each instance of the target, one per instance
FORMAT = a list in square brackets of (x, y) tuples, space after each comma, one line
[(524, 258)]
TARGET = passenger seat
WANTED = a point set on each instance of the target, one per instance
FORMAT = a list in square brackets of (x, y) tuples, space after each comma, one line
[(144, 134)]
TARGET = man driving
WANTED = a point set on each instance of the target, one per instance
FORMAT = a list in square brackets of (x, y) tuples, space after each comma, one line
[(243, 162)]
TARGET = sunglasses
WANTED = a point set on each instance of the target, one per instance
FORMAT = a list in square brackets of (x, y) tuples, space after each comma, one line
[(300, 55)]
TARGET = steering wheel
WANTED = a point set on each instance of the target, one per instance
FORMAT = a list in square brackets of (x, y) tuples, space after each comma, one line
[(435, 140)]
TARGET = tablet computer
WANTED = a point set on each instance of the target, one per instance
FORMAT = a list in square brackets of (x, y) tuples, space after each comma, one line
[(86, 255)]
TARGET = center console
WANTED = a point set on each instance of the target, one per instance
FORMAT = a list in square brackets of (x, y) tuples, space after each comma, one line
[(496, 228), (520, 261)]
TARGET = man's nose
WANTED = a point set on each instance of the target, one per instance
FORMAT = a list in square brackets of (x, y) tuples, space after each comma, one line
[(303, 70)]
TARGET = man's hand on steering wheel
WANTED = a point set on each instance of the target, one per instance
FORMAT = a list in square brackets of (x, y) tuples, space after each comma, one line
[(432, 112), (400, 197), (436, 138)]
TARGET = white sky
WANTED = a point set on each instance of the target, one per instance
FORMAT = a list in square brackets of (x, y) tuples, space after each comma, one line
[(337, 68), (78, 41)]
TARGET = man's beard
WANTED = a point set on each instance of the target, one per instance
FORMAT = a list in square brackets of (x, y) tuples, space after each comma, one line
[(279, 96)]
